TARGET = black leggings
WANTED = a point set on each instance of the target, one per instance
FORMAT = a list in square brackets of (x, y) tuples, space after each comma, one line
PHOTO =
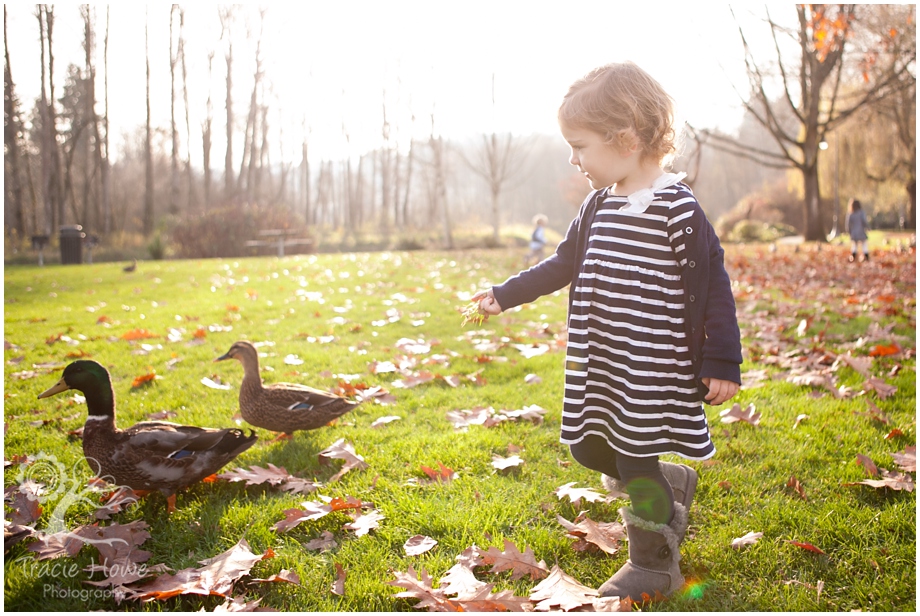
[(650, 493)]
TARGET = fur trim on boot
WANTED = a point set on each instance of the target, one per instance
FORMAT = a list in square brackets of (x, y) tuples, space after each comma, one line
[(652, 567)]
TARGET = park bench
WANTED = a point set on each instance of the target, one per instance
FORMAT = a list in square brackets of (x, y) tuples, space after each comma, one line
[(280, 238)]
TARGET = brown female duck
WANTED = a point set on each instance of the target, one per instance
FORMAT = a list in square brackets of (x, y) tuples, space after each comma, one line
[(150, 455), (282, 407)]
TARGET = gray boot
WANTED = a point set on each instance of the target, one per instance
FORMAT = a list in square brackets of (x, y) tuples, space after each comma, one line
[(681, 477), (652, 567)]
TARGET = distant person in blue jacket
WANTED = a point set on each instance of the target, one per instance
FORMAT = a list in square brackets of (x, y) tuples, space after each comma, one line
[(537, 240), (652, 331), (858, 228)]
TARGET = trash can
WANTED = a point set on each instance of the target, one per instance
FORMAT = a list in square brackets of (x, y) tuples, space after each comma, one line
[(72, 244)]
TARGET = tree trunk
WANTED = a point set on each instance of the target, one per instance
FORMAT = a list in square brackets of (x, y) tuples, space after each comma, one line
[(106, 184), (405, 200), (206, 141), (814, 223), (46, 142), (173, 131), (190, 186), (226, 19), (57, 177), (309, 215)]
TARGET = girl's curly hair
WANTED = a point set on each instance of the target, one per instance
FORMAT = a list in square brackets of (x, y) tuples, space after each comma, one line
[(626, 105)]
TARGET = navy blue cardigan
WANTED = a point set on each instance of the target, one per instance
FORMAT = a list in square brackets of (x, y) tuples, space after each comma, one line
[(712, 326)]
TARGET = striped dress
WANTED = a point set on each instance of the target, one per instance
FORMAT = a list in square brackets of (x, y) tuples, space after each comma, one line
[(629, 376)]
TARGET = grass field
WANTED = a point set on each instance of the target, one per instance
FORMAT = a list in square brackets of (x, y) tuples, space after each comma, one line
[(825, 342)]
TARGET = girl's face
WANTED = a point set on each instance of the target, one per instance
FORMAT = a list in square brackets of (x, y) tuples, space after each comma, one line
[(602, 163)]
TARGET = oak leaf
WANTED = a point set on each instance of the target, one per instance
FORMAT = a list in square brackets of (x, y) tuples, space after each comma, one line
[(326, 541), (797, 486), (143, 379), (418, 586), (285, 575), (576, 494), (418, 544), (484, 600), (214, 383), (504, 464), (907, 460), (442, 475), (882, 388), (25, 504), (239, 604), (342, 450), (48, 546), (807, 546), (216, 576), (561, 591), (519, 563), (748, 539), (138, 334), (884, 350), (735, 413), (312, 510), (460, 581), (382, 421), (868, 464), (605, 535), (364, 522), (338, 585), (895, 481)]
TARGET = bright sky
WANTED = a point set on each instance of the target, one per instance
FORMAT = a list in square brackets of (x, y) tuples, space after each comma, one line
[(330, 62)]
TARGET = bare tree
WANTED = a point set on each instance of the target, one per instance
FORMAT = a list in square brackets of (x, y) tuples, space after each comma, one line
[(812, 96), (498, 160), (439, 188), (52, 180), (11, 130), (891, 41), (148, 144)]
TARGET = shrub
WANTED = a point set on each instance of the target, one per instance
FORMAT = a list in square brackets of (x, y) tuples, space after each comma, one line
[(774, 204), (223, 232), (756, 231)]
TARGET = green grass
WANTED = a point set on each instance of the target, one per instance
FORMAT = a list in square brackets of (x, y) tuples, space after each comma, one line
[(868, 535)]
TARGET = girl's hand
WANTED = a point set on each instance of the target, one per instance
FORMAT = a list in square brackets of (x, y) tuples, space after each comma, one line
[(720, 391), (487, 303)]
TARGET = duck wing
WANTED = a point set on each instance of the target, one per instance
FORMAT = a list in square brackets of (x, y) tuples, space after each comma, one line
[(286, 407), (167, 456)]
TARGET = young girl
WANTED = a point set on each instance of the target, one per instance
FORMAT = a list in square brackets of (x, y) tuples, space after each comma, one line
[(857, 227), (652, 326)]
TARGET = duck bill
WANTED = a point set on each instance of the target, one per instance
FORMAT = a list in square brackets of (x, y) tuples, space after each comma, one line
[(55, 389), (223, 357)]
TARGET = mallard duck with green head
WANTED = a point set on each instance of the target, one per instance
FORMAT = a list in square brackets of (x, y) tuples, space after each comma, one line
[(282, 407), (150, 455)]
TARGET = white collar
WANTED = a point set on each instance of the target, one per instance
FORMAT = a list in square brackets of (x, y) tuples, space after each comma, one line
[(639, 201)]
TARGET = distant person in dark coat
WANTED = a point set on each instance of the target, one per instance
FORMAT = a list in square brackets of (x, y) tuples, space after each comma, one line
[(857, 227), (537, 240)]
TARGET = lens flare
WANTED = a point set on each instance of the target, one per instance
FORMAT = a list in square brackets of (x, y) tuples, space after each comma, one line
[(694, 589)]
